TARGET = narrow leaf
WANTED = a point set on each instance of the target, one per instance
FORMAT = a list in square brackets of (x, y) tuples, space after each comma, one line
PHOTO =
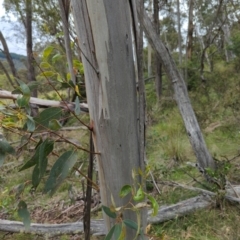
[(131, 224), (24, 214), (118, 231), (47, 115), (108, 212), (154, 204), (110, 234), (30, 124), (60, 171), (42, 150)]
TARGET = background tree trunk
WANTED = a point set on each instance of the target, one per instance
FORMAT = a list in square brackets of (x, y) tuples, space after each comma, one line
[(30, 56), (181, 96), (190, 30), (179, 31), (104, 33), (158, 65), (9, 58)]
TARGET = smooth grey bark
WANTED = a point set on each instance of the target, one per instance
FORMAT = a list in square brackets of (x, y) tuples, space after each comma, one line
[(181, 96), (104, 34)]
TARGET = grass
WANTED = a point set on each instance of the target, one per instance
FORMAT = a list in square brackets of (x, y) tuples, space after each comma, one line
[(169, 153)]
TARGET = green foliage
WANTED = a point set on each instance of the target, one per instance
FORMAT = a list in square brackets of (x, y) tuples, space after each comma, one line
[(60, 171), (117, 213), (5, 148), (24, 214)]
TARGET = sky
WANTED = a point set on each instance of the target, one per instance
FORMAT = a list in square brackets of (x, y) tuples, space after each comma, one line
[(10, 30)]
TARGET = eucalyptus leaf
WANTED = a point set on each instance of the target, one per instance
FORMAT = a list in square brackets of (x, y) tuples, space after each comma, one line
[(47, 51), (60, 171), (108, 212), (125, 190), (24, 214), (110, 233), (55, 125), (47, 115)]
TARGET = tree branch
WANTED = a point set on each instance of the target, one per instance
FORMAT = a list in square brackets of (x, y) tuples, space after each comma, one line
[(43, 103)]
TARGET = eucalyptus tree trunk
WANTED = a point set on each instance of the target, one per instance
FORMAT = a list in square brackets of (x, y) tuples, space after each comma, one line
[(104, 33), (158, 64), (149, 59), (9, 59), (181, 96), (64, 12), (30, 56), (190, 30), (179, 31)]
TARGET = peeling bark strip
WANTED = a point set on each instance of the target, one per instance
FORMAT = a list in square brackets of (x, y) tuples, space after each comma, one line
[(181, 95), (44, 103)]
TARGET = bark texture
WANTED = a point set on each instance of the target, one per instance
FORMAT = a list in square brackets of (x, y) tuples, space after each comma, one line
[(104, 33)]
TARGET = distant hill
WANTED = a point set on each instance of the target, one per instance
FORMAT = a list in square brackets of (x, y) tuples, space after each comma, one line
[(17, 59)]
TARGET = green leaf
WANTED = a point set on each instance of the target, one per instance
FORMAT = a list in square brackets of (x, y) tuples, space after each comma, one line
[(57, 57), (24, 214), (47, 74), (24, 88), (47, 115), (154, 204), (33, 85), (47, 51), (69, 76), (2, 158), (38, 172), (45, 65), (117, 231), (140, 195), (55, 125), (131, 224), (30, 124), (77, 106), (125, 190), (6, 147), (23, 101), (43, 149), (110, 234), (60, 171), (108, 212), (59, 78)]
